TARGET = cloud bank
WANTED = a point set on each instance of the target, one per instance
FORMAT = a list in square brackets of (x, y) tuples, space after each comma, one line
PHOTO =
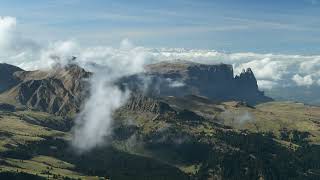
[(271, 70), (303, 81), (108, 64)]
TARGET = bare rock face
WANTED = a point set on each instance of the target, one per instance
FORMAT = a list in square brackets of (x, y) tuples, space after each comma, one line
[(47, 95), (142, 103), (59, 91)]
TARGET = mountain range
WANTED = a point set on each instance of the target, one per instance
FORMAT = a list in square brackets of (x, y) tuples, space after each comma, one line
[(183, 120)]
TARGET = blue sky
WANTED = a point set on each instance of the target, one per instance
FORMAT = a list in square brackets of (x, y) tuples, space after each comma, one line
[(268, 26)]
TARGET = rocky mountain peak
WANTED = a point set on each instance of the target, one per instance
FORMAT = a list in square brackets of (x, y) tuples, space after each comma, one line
[(246, 74), (247, 80)]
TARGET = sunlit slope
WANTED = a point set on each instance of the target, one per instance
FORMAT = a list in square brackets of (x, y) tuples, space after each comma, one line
[(175, 138), (20, 129), (277, 118), (282, 119), (38, 143)]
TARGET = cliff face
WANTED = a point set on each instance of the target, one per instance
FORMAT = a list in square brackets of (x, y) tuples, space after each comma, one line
[(216, 82)]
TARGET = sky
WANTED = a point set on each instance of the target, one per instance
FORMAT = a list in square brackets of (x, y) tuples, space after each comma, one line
[(270, 26)]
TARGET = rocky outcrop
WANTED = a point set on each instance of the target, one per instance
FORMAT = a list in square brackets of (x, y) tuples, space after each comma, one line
[(142, 103), (247, 88), (161, 110), (246, 80)]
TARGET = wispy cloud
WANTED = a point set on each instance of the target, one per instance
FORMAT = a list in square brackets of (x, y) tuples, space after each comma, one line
[(256, 24)]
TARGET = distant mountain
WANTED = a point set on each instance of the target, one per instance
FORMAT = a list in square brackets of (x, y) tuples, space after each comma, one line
[(181, 78), (61, 90)]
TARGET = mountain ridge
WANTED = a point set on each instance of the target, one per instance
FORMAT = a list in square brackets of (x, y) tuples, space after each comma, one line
[(59, 91), (217, 82), (158, 135), (62, 90)]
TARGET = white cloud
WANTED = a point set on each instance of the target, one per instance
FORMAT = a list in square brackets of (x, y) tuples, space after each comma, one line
[(310, 66), (303, 81), (175, 84), (265, 69), (14, 48), (266, 84), (7, 28), (94, 122), (271, 70)]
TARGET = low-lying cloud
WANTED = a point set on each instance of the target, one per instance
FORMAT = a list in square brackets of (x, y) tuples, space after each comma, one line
[(237, 118), (94, 122), (175, 84)]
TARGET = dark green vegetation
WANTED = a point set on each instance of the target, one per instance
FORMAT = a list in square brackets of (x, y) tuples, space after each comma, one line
[(155, 137)]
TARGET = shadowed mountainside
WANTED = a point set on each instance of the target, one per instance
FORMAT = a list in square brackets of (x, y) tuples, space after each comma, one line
[(61, 90), (7, 78), (180, 78)]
